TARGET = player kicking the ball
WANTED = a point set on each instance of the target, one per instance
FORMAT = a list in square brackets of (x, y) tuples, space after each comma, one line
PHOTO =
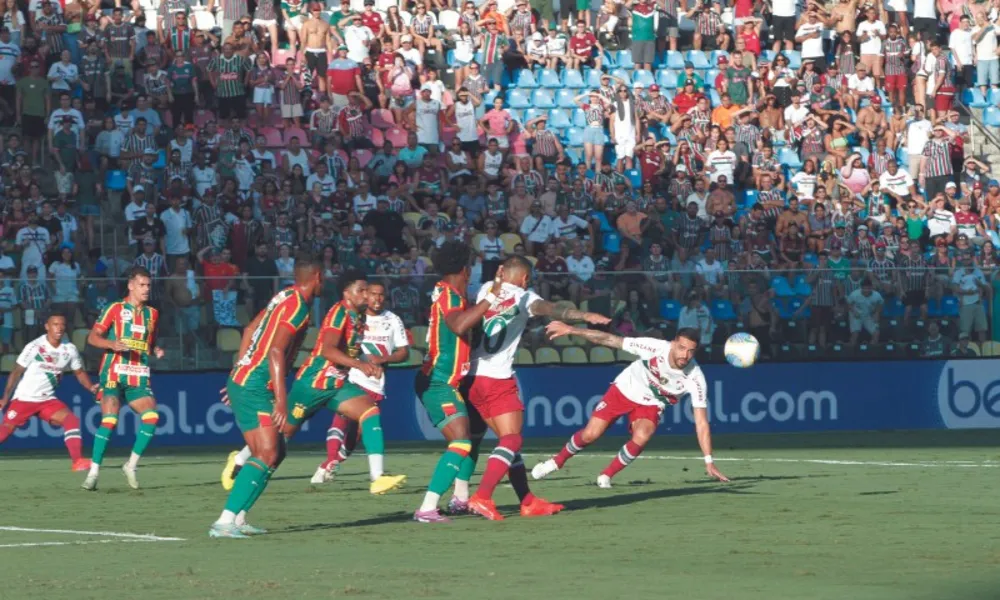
[(492, 391), (256, 393), (664, 373), (34, 380), (130, 327), (322, 381), (384, 343)]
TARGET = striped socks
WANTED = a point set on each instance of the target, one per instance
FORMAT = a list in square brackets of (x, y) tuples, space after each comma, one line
[(500, 461), (572, 447), (71, 436), (629, 452)]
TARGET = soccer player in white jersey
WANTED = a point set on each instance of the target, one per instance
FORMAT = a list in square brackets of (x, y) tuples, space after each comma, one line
[(491, 390), (384, 343), (33, 383), (664, 373)]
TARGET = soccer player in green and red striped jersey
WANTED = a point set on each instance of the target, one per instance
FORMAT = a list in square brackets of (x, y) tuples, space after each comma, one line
[(256, 392), (126, 331), (446, 363)]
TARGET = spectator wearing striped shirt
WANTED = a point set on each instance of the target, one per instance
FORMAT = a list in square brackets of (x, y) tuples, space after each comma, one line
[(912, 280), (35, 300), (935, 163), (152, 261)]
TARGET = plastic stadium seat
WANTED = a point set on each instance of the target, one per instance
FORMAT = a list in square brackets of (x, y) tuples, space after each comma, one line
[(575, 155), (547, 356), (565, 98), (532, 113), (794, 59), (635, 176), (517, 98), (781, 287), (524, 357), (415, 358), (698, 59), (517, 114), (273, 137), (623, 356), (893, 308), (543, 99), (593, 78), (722, 310), (794, 305), (675, 60), (526, 79), (79, 338), (396, 136), (934, 308), (789, 158), (802, 287), (991, 116), (643, 78), (378, 138), (670, 310), (710, 76), (573, 79), (574, 355), (364, 156), (624, 60), (449, 20), (666, 79), (549, 79), (115, 181), (509, 241), (986, 349), (301, 358), (296, 133), (412, 218), (382, 118), (574, 137), (601, 355), (622, 74), (228, 340), (579, 118), (810, 258), (949, 306), (559, 119), (161, 160), (994, 96)]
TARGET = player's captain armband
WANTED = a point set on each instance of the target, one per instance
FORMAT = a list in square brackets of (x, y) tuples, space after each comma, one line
[(645, 347), (137, 345), (132, 370)]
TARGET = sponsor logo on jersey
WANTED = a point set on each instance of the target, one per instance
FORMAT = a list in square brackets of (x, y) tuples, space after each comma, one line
[(132, 370), (126, 315)]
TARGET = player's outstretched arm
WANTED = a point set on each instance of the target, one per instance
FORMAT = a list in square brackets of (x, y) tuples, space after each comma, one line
[(557, 329), (562, 312), (332, 353), (704, 433), (12, 380), (461, 322), (85, 381)]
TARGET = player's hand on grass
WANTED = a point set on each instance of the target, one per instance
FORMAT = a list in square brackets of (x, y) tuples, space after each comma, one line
[(595, 319), (557, 329), (714, 473)]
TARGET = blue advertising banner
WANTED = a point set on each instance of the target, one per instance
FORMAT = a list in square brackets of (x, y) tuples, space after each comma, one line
[(768, 398)]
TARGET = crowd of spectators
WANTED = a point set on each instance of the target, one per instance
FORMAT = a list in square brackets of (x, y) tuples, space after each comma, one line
[(678, 162)]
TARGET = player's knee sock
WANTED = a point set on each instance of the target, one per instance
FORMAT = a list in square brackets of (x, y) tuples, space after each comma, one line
[(468, 467), (499, 463), (572, 447), (371, 434), (71, 436), (257, 491), (335, 440), (251, 477), (629, 452), (445, 472), (102, 437), (352, 435), (146, 432), (518, 477)]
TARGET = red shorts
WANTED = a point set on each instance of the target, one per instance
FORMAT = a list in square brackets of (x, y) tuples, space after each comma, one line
[(375, 397), (614, 404), (493, 397), (896, 82), (19, 412), (944, 99)]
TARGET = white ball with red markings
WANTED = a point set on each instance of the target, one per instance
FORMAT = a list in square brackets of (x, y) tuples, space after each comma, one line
[(742, 350)]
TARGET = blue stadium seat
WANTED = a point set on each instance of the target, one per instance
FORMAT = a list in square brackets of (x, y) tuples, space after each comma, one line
[(490, 97), (559, 119), (794, 59), (643, 78), (517, 98), (622, 74), (781, 287), (635, 177), (902, 157), (533, 113), (575, 155), (115, 180), (722, 310), (893, 308), (574, 137), (802, 287), (864, 152), (749, 197), (949, 306), (991, 116), (161, 160), (934, 308), (543, 99), (699, 59), (573, 79), (768, 55), (669, 135), (660, 60), (624, 60), (517, 114), (675, 60), (549, 79), (670, 309), (666, 79), (714, 98), (710, 76), (579, 118), (526, 79), (994, 96), (790, 158), (810, 259), (593, 77), (566, 98), (793, 305)]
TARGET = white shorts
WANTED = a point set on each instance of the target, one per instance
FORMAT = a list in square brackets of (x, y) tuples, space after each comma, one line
[(867, 323), (293, 24), (265, 22), (502, 140), (263, 95), (291, 112), (625, 148)]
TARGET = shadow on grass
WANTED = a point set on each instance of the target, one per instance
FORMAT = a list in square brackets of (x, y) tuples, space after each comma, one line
[(384, 519)]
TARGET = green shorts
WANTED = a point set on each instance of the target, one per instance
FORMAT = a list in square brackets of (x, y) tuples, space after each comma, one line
[(304, 400), (121, 390), (442, 402), (252, 408)]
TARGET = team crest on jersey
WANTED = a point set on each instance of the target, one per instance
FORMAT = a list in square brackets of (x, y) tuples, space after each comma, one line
[(299, 411), (671, 388), (126, 314), (501, 315)]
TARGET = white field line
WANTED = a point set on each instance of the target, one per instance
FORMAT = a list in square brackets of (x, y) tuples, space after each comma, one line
[(80, 543), (131, 537)]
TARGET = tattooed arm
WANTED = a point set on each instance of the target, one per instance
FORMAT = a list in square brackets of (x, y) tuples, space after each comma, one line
[(544, 308), (557, 329)]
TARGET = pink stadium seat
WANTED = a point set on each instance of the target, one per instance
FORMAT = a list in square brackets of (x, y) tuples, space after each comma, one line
[(296, 132), (202, 117), (364, 157), (382, 118), (273, 137), (378, 138), (397, 136)]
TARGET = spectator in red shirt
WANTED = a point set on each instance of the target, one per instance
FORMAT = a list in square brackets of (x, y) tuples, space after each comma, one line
[(686, 99), (372, 20), (219, 271), (344, 76), (553, 272), (581, 48)]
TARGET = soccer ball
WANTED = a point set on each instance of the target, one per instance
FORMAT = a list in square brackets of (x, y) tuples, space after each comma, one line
[(742, 350)]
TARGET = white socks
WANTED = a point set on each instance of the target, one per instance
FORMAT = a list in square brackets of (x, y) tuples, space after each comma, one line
[(133, 461), (375, 469), (227, 517), (241, 518), (95, 469), (461, 490), (430, 502), (243, 456)]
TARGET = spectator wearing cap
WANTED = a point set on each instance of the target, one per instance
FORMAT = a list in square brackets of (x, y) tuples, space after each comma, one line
[(425, 114), (358, 37), (493, 42), (970, 285), (343, 76), (536, 52), (143, 173), (582, 46)]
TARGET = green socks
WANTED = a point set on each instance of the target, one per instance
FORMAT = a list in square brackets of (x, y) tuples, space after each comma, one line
[(371, 432), (248, 486), (468, 466), (448, 467), (102, 437)]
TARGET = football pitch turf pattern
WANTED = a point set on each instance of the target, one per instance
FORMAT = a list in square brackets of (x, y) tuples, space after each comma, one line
[(847, 516)]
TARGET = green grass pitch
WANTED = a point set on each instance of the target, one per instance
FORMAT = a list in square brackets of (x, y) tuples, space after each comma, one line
[(848, 516)]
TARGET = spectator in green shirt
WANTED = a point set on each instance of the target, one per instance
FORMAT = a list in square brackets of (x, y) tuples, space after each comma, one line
[(34, 103), (66, 146)]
